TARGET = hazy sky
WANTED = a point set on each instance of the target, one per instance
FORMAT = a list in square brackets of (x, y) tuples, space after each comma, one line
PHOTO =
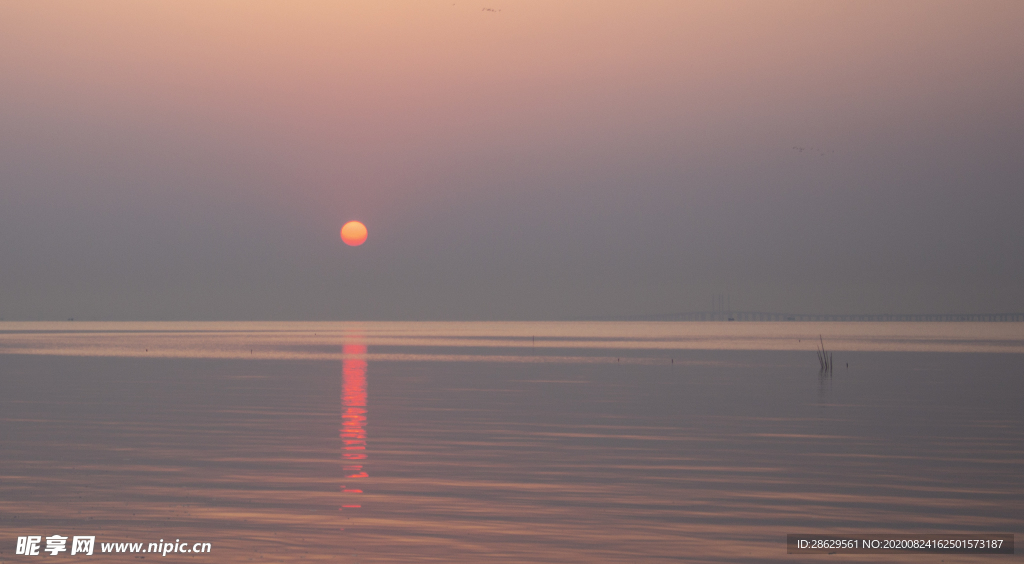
[(547, 159)]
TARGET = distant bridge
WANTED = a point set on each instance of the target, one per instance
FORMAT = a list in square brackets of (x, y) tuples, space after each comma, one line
[(769, 316)]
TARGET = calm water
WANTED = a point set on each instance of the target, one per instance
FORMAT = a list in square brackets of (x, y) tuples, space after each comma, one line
[(508, 442)]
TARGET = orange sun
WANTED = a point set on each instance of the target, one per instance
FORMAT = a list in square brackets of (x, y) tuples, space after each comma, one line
[(353, 233)]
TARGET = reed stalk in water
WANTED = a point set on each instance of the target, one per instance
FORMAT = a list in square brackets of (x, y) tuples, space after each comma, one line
[(824, 357)]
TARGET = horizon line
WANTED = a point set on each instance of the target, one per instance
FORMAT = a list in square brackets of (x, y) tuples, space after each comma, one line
[(710, 316), (741, 315)]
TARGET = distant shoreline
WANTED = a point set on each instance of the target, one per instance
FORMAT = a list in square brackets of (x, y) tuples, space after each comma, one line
[(773, 316), (711, 316)]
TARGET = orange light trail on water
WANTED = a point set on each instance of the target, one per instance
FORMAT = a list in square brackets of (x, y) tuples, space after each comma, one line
[(353, 416)]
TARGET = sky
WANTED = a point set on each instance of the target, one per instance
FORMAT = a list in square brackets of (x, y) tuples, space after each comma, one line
[(195, 160)]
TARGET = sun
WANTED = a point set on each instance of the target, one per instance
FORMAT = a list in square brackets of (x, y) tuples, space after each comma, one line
[(353, 233)]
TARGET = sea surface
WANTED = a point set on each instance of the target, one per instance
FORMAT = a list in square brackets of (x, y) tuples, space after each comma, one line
[(507, 442)]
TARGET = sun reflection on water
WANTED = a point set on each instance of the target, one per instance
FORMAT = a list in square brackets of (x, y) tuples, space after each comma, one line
[(353, 419)]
